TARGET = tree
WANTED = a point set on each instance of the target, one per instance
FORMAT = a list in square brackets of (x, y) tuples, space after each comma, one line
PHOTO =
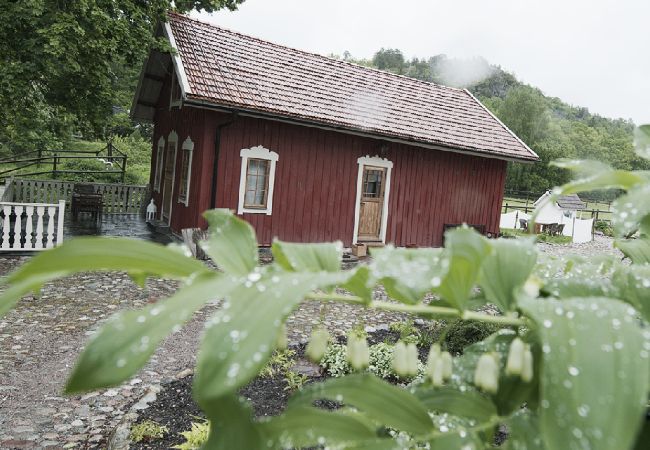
[(389, 59), (66, 63)]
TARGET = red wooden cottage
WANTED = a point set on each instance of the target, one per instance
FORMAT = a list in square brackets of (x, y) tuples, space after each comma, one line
[(309, 148)]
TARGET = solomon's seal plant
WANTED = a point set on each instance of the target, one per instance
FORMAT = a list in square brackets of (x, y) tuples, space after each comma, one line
[(579, 382)]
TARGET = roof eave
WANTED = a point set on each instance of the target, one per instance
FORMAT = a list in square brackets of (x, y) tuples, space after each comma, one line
[(202, 103)]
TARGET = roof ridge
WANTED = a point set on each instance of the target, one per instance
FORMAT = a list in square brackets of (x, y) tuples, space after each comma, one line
[(318, 55)]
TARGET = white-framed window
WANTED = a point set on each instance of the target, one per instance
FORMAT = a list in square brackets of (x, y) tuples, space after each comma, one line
[(256, 180), (186, 171), (159, 164), (175, 93)]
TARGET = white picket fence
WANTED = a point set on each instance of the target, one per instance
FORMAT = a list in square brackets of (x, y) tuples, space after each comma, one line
[(31, 226)]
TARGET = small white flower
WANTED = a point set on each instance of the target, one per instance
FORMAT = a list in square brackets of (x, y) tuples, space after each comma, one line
[(358, 353), (527, 370), (317, 344), (515, 362), (486, 376)]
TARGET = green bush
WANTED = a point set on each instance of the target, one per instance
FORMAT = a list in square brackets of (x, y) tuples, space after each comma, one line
[(408, 332), (605, 227), (460, 334)]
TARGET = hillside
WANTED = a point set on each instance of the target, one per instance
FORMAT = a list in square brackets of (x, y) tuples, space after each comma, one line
[(551, 127)]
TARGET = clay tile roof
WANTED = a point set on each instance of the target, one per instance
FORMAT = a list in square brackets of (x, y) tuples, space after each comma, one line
[(230, 69)]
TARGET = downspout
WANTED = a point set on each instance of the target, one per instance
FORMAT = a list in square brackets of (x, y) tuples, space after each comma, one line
[(215, 164)]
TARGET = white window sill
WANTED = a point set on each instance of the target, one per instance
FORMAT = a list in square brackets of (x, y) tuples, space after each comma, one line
[(254, 211)]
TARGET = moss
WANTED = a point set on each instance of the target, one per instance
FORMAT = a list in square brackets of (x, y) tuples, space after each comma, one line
[(147, 431)]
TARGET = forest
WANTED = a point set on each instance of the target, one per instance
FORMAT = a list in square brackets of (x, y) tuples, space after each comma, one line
[(551, 127), (72, 82)]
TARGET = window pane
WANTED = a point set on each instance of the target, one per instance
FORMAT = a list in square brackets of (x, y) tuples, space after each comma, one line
[(256, 182)]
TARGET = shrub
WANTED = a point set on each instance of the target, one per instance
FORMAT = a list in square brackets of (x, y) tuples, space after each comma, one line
[(408, 332), (147, 431), (605, 227), (381, 360), (460, 334), (335, 361), (195, 437)]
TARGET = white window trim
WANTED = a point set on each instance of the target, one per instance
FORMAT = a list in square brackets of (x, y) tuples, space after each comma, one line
[(160, 154), (374, 161), (189, 146), (172, 138), (258, 152)]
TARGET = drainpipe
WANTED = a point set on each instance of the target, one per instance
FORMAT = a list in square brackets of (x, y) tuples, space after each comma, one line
[(215, 164)]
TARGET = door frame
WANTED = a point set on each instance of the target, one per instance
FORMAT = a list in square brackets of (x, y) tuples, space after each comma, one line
[(374, 161), (172, 139)]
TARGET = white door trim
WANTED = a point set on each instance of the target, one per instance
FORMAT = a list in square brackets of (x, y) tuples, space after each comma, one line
[(374, 161), (173, 138)]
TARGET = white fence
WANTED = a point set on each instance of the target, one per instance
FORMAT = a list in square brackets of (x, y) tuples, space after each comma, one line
[(31, 226), (580, 230)]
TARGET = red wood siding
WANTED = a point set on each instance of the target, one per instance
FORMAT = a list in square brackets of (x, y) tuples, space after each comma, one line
[(316, 180), (192, 123)]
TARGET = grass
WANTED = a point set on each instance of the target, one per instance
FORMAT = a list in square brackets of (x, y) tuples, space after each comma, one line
[(542, 237), (137, 150)]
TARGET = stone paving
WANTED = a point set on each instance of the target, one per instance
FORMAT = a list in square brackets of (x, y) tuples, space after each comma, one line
[(40, 339)]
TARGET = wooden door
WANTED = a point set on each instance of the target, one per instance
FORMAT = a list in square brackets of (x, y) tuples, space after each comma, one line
[(371, 204), (168, 186)]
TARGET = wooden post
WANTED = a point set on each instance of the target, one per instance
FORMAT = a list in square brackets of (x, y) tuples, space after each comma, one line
[(506, 211), (54, 162), (123, 168)]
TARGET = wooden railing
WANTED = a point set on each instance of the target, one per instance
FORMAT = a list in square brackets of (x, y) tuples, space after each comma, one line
[(117, 198), (29, 227)]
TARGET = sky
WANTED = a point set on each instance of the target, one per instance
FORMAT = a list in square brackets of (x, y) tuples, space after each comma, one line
[(591, 53)]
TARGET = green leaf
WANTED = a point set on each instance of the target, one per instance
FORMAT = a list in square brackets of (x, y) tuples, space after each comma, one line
[(579, 287), (241, 335), (231, 244), (612, 179), (466, 249), (17, 290), (127, 341), (89, 254), (506, 269), (231, 424), (523, 432), (448, 399), (308, 257), (378, 400), (457, 440), (593, 384), (638, 250), (408, 274), (633, 283), (513, 392), (629, 210), (360, 283), (303, 426)]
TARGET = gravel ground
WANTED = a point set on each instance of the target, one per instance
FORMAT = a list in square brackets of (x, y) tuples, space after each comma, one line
[(40, 339)]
